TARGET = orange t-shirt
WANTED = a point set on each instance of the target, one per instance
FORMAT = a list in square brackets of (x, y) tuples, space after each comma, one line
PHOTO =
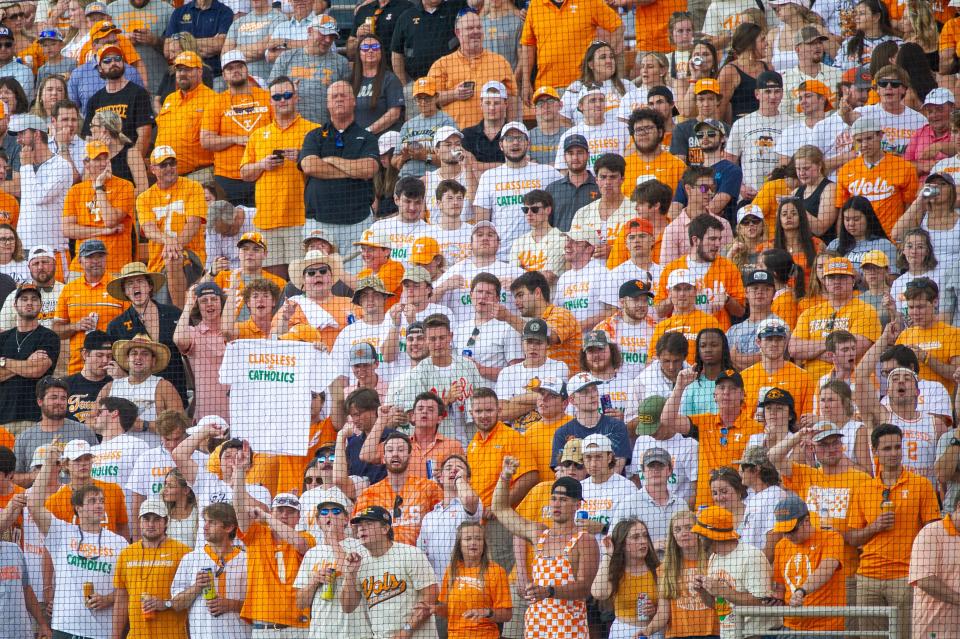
[(688, 324), (887, 554), (565, 326), (229, 115), (538, 442), (284, 473), (77, 300), (80, 205), (485, 455), (471, 591), (757, 381), (719, 445), (794, 563), (721, 277), (891, 186), (151, 571), (786, 307), (689, 616), (950, 35), (941, 340), (416, 499), (13, 534), (115, 508), (170, 209), (666, 168), (651, 30), (271, 569), (178, 126)]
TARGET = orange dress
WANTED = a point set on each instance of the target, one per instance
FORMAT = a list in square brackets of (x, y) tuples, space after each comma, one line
[(555, 618)]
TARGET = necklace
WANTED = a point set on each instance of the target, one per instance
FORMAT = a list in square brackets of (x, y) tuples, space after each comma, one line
[(21, 342)]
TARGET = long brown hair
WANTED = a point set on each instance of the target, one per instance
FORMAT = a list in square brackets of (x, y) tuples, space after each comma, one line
[(456, 557), (618, 560), (671, 571), (357, 79)]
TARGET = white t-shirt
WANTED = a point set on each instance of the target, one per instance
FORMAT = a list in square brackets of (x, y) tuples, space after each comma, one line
[(630, 271), (501, 190), (458, 300), (723, 16), (650, 381), (402, 235), (611, 136), (634, 342), (401, 362), (495, 344), (582, 291), (758, 517), (832, 136), (753, 139), (231, 583), (388, 586), (77, 558), (361, 331), (152, 466), (897, 129), (430, 377), (513, 379), (454, 244), (438, 532), (571, 99), (746, 569), (793, 138), (279, 374), (210, 489), (600, 500), (114, 460), (683, 450), (327, 620)]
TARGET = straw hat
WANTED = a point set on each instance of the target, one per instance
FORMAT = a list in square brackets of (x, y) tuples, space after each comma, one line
[(313, 257), (129, 271), (121, 352)]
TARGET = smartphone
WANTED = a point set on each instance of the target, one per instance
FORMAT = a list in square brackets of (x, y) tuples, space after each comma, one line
[(278, 153), (470, 84)]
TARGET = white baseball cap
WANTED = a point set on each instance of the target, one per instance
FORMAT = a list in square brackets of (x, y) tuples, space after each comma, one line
[(518, 126), (596, 443), (76, 448), (443, 134), (578, 382), (494, 89), (680, 276)]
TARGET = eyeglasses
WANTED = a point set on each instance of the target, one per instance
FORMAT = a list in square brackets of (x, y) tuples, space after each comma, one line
[(286, 95), (644, 129), (889, 84), (396, 506), (707, 134), (536, 208), (338, 140), (7, 240), (514, 138), (330, 511), (320, 270), (110, 59), (473, 337), (373, 46), (704, 188), (309, 480), (330, 457)]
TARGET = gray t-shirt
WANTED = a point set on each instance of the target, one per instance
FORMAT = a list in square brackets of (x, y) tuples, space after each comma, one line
[(63, 68), (253, 28), (14, 580), (152, 17), (421, 129), (29, 440), (315, 74), (543, 146), (501, 35)]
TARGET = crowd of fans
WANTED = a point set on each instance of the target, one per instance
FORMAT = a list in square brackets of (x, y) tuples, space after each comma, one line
[(419, 319)]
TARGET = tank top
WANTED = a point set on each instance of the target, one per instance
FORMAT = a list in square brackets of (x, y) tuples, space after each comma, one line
[(782, 59), (744, 99), (919, 443), (144, 395), (811, 204), (629, 590), (554, 618), (120, 167)]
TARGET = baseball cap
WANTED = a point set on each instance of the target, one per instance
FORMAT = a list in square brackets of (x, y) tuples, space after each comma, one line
[(41, 451), (375, 238), (387, 142), (27, 287), (639, 225), (729, 375), (940, 96), (318, 234), (209, 288), (575, 140), (595, 339), (826, 429), (788, 512), (590, 89), (772, 327), (715, 523), (808, 34), (818, 87), (711, 123), (648, 414), (493, 89), (662, 91), (95, 7), (424, 249), (515, 125), (286, 500), (583, 234), (41, 250), (707, 85), (424, 86), (635, 288), (545, 92), (484, 224), (154, 506), (839, 266), (860, 77), (946, 177), (769, 80), (76, 448), (6, 33), (161, 154), (597, 443), (572, 451), (552, 385), (416, 274), (680, 276), (759, 276), (188, 59), (875, 258), (416, 328), (778, 397), (373, 513), (363, 353), (325, 24), (536, 329), (50, 34), (95, 148), (97, 341), (443, 134), (234, 55), (748, 211), (656, 455), (567, 486), (102, 28), (579, 381), (92, 247), (24, 121), (865, 124), (334, 497), (373, 283), (254, 237), (753, 456), (106, 50)]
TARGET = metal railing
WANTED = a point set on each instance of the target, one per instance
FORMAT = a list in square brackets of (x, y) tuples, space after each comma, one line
[(890, 612)]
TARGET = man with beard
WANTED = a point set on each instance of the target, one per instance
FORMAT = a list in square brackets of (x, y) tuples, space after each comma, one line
[(144, 576), (27, 352), (501, 189), (809, 44), (129, 100), (86, 385), (178, 122), (142, 358), (86, 79), (143, 22), (711, 135), (578, 187), (630, 329), (647, 128), (406, 495), (531, 294), (42, 264), (51, 396)]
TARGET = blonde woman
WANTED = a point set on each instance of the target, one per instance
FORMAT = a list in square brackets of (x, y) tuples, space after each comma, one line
[(599, 66), (125, 162)]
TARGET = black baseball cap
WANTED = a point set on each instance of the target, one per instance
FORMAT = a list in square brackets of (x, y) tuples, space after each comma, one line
[(778, 396), (536, 329), (569, 487), (575, 140), (769, 80), (635, 288), (97, 341), (373, 513), (759, 276), (662, 91), (730, 375)]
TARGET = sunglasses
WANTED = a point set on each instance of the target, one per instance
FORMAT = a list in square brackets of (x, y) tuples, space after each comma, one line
[(707, 134), (308, 480), (373, 46), (570, 464), (167, 164), (6, 45), (473, 337), (536, 208), (330, 511), (110, 59), (703, 188), (750, 221), (326, 458), (889, 84), (321, 270), (286, 95)]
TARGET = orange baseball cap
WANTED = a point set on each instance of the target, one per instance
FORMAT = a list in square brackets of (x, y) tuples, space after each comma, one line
[(95, 149), (424, 86), (545, 92), (707, 85), (188, 59), (715, 523), (818, 87), (102, 29), (424, 249), (106, 49), (638, 224), (252, 236), (839, 266)]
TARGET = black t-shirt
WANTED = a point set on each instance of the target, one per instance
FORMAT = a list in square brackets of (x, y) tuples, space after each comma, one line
[(343, 200), (82, 397), (18, 395), (7, 286), (385, 20), (483, 148), (422, 38), (132, 103)]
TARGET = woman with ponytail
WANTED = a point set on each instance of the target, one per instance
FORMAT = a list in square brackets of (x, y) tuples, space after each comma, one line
[(872, 21), (738, 77)]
